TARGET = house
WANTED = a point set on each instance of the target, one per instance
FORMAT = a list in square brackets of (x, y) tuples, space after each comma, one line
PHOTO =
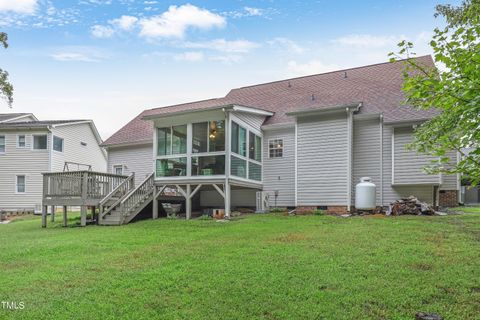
[(304, 141), (30, 147)]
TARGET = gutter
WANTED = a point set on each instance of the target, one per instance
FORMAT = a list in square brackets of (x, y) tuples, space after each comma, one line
[(310, 111)]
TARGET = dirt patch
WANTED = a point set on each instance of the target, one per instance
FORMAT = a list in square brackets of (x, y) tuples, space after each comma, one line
[(291, 237), (421, 266)]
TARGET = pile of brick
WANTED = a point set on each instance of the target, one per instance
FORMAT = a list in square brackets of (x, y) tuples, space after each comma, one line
[(410, 205)]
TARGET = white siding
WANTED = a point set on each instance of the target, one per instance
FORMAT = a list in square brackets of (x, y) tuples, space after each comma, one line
[(390, 193), (449, 181), (73, 150), (138, 159), (408, 165), (253, 120), (322, 161), (279, 173), (366, 154), (22, 161)]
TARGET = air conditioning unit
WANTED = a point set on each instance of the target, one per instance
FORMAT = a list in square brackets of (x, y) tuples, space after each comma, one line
[(262, 202)]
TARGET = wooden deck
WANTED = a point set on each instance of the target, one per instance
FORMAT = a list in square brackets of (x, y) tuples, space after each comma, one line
[(78, 188)]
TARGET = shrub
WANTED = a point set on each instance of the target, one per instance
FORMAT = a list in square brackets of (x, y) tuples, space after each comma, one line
[(318, 212)]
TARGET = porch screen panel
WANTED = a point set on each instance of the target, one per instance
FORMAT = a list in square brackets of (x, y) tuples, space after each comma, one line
[(200, 137), (255, 147), (216, 136), (208, 165), (235, 129), (238, 167), (164, 140), (171, 167), (254, 171), (179, 139)]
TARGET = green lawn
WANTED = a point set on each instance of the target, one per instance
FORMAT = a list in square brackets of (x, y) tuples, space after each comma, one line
[(255, 267)]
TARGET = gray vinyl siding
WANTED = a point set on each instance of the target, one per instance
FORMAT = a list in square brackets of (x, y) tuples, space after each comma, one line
[(239, 198), (138, 159), (408, 165), (392, 193), (322, 161), (279, 173), (449, 181), (73, 150), (366, 154), (253, 120), (22, 161)]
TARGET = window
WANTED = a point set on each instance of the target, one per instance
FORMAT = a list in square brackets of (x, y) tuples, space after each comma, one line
[(40, 142), (171, 167), (118, 170), (275, 148), (21, 141), (239, 139), (2, 144), (179, 139), (255, 147), (238, 167), (200, 137), (57, 144), (172, 140), (20, 184), (208, 136), (208, 165), (254, 171)]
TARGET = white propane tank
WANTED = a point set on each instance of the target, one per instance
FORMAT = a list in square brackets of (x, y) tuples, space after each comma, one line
[(365, 194)]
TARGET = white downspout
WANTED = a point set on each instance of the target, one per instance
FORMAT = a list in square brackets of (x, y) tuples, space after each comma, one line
[(381, 160), (349, 157)]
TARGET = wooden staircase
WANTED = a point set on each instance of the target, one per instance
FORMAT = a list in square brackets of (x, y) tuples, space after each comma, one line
[(125, 202)]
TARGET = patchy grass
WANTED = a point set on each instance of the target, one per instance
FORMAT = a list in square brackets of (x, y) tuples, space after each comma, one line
[(257, 267), (465, 209)]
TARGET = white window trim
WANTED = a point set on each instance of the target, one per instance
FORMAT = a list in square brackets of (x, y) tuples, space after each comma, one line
[(268, 147), (33, 142), (118, 166), (18, 141), (16, 183), (53, 143), (4, 144)]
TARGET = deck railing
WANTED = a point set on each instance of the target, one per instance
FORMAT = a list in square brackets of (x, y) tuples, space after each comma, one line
[(119, 192), (80, 184), (138, 195)]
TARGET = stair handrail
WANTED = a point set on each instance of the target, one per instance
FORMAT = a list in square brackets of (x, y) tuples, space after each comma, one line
[(138, 194), (127, 184)]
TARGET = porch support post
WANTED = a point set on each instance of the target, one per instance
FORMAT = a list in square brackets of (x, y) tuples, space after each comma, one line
[(52, 217), (227, 198), (44, 216), (83, 216), (154, 204), (94, 214), (65, 223), (188, 202)]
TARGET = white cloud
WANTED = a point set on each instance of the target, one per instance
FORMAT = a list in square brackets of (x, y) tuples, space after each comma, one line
[(287, 44), (124, 22), (238, 46), (99, 31), (368, 40), (19, 6), (311, 67), (175, 22), (191, 56), (227, 59), (79, 53), (253, 11)]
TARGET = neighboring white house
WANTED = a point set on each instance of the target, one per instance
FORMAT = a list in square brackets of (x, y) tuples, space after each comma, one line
[(29, 147), (305, 141)]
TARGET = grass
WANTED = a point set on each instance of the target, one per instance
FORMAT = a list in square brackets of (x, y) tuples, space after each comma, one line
[(255, 267)]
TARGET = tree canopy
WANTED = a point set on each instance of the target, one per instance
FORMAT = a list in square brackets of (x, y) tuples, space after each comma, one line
[(6, 88), (454, 89)]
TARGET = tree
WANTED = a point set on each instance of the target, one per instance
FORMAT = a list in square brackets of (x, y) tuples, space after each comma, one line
[(6, 88), (454, 90)]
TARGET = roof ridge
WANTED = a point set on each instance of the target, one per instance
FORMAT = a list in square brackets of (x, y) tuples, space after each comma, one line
[(182, 104), (329, 72)]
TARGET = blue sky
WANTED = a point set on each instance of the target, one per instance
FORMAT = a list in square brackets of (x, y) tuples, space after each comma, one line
[(109, 60)]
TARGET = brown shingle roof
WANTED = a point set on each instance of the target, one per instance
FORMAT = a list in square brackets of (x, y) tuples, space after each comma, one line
[(378, 86)]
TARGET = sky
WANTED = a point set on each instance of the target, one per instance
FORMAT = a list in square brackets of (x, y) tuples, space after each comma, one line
[(108, 60)]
